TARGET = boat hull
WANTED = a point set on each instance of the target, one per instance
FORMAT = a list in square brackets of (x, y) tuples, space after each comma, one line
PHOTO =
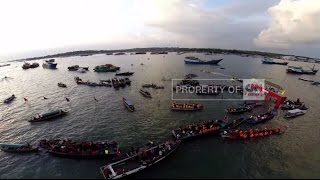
[(212, 62)]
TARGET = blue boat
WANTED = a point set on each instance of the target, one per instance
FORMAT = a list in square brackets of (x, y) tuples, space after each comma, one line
[(17, 148), (195, 60), (9, 99), (129, 105)]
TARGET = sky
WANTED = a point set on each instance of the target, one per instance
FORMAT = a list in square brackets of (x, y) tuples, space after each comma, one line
[(36, 27)]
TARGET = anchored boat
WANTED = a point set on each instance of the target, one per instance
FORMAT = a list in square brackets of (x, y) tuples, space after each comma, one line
[(125, 74), (256, 119), (252, 133), (271, 61), (60, 84), (49, 64), (128, 104), (300, 70), (195, 130), (186, 106), (9, 99), (48, 115), (195, 60), (140, 161), (145, 93), (294, 113), (85, 149), (18, 148)]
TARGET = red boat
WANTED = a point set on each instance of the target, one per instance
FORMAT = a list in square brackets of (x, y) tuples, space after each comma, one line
[(252, 133)]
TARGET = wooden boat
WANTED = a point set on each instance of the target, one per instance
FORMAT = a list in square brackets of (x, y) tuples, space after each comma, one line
[(49, 64), (186, 106), (73, 68), (48, 115), (239, 110), (127, 81), (125, 74), (139, 162), (9, 99), (128, 104), (294, 113), (300, 70), (195, 60), (252, 133), (195, 130), (293, 106), (233, 124), (270, 61), (60, 84), (85, 149), (145, 93), (256, 119), (18, 148)]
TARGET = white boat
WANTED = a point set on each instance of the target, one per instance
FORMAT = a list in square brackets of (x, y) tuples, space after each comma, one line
[(294, 113)]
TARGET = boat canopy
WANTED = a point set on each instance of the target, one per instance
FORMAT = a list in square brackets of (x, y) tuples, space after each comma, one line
[(295, 111), (51, 113)]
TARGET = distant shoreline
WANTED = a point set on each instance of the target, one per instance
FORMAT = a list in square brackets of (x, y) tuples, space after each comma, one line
[(175, 49)]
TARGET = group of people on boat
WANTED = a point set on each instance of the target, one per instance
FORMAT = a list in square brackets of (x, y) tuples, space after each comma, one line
[(198, 128), (252, 133), (290, 105), (86, 147), (186, 106)]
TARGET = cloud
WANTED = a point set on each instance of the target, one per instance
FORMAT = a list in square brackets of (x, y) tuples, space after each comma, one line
[(294, 23)]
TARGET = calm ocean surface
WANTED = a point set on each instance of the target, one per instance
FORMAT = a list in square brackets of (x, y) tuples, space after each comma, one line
[(295, 154)]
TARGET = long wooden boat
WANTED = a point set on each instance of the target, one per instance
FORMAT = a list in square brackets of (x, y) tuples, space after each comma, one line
[(256, 119), (233, 124), (9, 99), (145, 93), (239, 110), (128, 104), (270, 61), (139, 162), (125, 74), (252, 133), (195, 130), (85, 149), (48, 115), (195, 60), (186, 106), (18, 148)]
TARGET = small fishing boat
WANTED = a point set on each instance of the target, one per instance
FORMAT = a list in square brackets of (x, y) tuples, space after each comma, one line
[(85, 149), (186, 106), (195, 130), (293, 106), (239, 109), (300, 70), (26, 65), (252, 133), (294, 113), (49, 64), (232, 124), (48, 115), (195, 60), (60, 84), (140, 161), (4, 65), (9, 99), (271, 61), (316, 83), (106, 68), (17, 148), (145, 93), (125, 74), (256, 119), (73, 68), (82, 70), (128, 104), (305, 79)]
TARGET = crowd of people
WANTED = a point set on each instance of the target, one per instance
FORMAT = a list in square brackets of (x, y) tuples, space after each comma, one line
[(251, 133)]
